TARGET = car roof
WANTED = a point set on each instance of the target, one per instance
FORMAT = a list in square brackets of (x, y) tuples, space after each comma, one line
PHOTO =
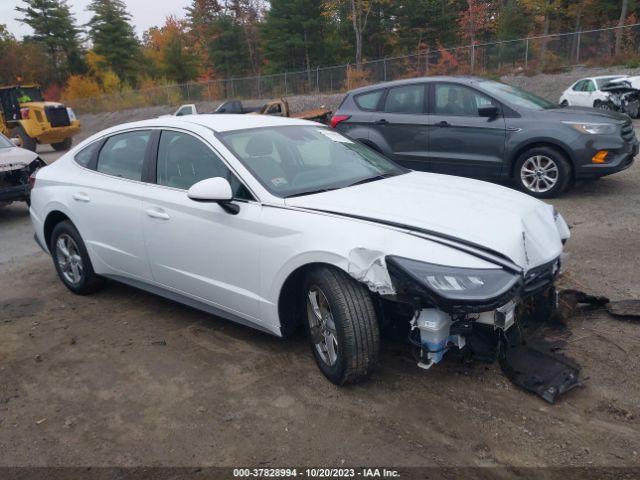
[(463, 79), (220, 122), (600, 77)]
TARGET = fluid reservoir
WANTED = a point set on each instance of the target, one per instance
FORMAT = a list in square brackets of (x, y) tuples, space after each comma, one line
[(434, 326)]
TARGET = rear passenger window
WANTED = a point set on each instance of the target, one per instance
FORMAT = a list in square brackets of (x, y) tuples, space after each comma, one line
[(84, 156), (123, 155), (578, 86), (183, 160), (409, 99), (368, 101)]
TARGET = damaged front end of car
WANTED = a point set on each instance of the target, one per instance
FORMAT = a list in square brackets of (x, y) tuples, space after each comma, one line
[(623, 97), (481, 313), (16, 180)]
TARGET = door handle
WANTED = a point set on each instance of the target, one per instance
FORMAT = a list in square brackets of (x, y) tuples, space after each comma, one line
[(442, 124), (382, 121), (80, 197), (155, 212)]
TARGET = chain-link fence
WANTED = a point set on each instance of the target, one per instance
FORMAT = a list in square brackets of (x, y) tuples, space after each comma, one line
[(550, 53)]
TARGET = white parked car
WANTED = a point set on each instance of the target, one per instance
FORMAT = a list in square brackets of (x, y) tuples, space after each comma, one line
[(587, 92), (276, 222)]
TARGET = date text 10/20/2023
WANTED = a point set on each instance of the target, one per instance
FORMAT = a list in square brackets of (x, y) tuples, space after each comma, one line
[(315, 473)]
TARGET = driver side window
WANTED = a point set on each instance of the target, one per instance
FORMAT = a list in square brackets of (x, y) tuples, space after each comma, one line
[(183, 160), (453, 99)]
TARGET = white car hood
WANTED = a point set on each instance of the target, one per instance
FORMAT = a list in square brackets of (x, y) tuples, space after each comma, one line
[(14, 158), (497, 218)]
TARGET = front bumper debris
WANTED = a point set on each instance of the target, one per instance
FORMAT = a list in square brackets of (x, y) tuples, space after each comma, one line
[(535, 365), (515, 335)]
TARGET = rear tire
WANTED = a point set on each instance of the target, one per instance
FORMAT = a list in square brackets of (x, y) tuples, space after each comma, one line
[(564, 103), (63, 145), (542, 172), (341, 324), (25, 140), (72, 261)]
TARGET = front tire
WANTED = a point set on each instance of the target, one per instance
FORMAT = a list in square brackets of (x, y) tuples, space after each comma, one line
[(25, 140), (341, 324), (72, 261), (63, 145), (542, 172), (604, 105)]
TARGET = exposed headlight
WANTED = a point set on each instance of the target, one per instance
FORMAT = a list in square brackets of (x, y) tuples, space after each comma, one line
[(593, 128), (458, 285)]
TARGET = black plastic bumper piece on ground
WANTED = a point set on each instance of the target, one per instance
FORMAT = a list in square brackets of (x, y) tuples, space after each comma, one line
[(536, 367)]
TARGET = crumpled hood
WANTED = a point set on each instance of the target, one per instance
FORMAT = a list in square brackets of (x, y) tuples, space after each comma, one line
[(519, 227), (14, 158)]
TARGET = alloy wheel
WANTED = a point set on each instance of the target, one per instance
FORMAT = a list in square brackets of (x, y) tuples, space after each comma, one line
[(322, 326), (69, 259), (539, 173)]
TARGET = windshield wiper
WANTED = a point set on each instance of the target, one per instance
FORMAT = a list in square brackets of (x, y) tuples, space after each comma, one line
[(311, 192), (372, 179)]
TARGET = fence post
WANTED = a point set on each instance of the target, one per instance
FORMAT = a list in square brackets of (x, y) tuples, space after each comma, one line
[(526, 53), (384, 68), (188, 94), (286, 87), (318, 79), (473, 56), (578, 48), (259, 95)]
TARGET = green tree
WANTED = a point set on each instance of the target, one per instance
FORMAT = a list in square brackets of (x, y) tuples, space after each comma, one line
[(113, 37), (55, 28), (292, 35)]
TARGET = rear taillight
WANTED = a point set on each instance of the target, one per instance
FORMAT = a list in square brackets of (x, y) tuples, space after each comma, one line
[(32, 179), (24, 113), (336, 119)]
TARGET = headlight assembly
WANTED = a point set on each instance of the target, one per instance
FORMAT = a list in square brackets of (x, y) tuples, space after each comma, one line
[(457, 286), (593, 128)]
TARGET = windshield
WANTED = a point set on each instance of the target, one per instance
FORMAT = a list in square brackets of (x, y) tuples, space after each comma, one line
[(4, 142), (601, 82), (300, 160), (29, 94), (516, 97)]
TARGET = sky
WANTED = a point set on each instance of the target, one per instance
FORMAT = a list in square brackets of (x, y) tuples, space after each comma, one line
[(144, 13)]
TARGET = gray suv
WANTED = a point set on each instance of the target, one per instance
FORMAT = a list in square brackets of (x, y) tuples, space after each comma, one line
[(485, 129)]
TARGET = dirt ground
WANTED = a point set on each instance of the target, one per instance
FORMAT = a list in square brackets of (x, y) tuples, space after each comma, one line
[(124, 378)]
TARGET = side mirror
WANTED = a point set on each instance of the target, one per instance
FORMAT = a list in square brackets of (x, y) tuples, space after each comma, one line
[(490, 111), (214, 190), (16, 142)]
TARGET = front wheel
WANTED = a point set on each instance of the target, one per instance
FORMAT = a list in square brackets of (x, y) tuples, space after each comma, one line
[(603, 105), (72, 261), (542, 172), (63, 145), (342, 325), (23, 138)]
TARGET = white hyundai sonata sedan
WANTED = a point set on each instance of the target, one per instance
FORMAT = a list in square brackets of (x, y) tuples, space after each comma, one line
[(275, 223)]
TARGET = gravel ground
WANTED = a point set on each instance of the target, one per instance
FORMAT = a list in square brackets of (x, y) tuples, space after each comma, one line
[(124, 378)]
